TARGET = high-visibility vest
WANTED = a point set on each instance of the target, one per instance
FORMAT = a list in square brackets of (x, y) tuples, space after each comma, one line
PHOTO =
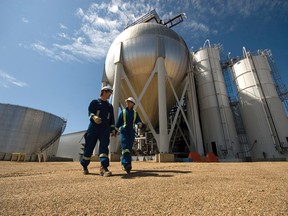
[(124, 118)]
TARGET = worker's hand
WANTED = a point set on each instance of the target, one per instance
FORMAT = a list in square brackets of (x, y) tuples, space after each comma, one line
[(113, 133), (117, 131), (97, 119)]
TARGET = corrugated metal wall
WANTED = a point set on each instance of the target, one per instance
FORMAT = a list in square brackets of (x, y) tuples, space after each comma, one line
[(26, 130)]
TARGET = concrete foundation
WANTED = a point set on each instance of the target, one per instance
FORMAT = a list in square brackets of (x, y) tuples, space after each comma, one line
[(33, 158), (7, 157), (2, 155), (164, 158)]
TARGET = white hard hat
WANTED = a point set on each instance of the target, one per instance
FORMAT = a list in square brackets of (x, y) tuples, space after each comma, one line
[(107, 88), (131, 99)]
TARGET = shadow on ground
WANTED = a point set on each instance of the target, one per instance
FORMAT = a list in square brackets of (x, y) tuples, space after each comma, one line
[(150, 173)]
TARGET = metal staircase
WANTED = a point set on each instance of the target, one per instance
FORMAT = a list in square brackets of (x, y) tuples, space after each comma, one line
[(280, 86), (54, 139)]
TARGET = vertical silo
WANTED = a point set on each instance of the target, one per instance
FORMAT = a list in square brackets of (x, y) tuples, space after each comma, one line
[(263, 114), (219, 132)]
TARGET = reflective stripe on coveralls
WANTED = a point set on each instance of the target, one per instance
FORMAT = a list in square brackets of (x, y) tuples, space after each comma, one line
[(86, 158), (124, 125), (98, 132), (124, 118), (103, 155), (125, 150), (97, 114)]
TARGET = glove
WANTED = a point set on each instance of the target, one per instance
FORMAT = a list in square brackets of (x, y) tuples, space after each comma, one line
[(113, 133), (97, 119)]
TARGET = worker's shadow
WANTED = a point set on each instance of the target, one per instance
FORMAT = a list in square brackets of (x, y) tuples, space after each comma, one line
[(150, 173)]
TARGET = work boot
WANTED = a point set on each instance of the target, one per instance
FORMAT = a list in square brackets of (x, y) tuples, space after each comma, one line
[(128, 168), (85, 168), (85, 171), (105, 172)]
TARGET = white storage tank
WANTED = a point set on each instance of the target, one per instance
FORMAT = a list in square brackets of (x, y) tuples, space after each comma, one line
[(218, 128), (26, 130), (70, 145), (263, 114), (142, 44), (148, 61)]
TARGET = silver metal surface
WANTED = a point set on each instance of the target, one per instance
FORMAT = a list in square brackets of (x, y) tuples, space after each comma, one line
[(26, 130), (263, 114), (70, 145), (142, 44), (218, 126)]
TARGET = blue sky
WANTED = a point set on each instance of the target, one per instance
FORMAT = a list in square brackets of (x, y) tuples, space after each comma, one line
[(52, 52)]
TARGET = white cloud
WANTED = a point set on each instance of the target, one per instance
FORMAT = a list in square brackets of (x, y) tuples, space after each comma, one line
[(100, 25), (102, 22), (79, 12), (199, 27), (24, 20), (53, 53), (113, 8), (7, 80), (214, 13), (64, 35), (62, 26)]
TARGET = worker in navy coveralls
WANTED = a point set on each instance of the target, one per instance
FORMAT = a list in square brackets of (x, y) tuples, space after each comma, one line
[(102, 123), (125, 124)]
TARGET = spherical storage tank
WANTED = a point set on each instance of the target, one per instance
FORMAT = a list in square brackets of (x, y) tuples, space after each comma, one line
[(26, 130), (142, 44)]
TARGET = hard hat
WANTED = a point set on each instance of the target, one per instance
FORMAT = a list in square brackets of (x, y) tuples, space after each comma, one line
[(107, 88), (131, 99)]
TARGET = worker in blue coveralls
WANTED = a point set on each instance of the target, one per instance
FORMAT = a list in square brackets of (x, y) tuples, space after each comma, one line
[(102, 123), (125, 124)]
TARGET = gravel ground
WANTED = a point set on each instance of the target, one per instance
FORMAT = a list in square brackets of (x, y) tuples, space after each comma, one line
[(60, 188)]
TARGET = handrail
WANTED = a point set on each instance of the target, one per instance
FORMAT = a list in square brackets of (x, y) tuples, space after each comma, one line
[(152, 15), (207, 42), (146, 18)]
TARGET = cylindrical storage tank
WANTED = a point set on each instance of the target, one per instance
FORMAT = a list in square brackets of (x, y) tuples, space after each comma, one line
[(71, 145), (26, 130), (142, 44), (263, 114), (218, 128)]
